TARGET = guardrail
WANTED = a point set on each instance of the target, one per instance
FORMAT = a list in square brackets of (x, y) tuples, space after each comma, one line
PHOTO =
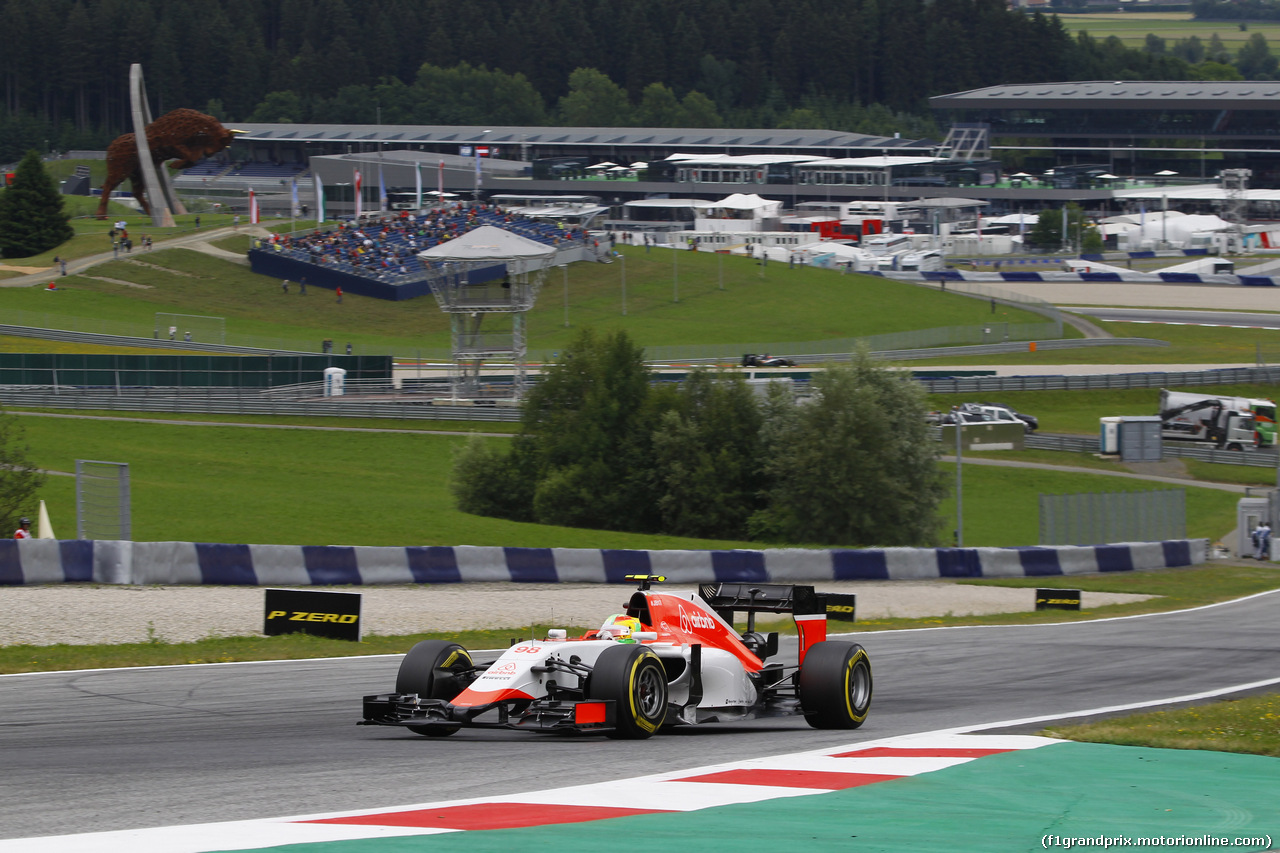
[(1252, 458), (231, 404), (1067, 443), (112, 340), (1258, 458), (1148, 379)]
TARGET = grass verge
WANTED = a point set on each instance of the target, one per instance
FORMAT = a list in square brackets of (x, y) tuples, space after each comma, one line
[(1187, 345), (158, 652), (1250, 725), (224, 483), (672, 298), (423, 425)]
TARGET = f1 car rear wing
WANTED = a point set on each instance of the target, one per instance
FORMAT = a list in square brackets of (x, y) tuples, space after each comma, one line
[(807, 607)]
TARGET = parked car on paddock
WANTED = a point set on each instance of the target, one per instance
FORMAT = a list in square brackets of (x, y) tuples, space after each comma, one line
[(997, 413), (1032, 422), (948, 418)]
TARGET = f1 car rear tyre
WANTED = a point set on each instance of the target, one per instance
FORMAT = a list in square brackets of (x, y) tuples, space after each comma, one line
[(430, 670), (633, 677), (835, 685)]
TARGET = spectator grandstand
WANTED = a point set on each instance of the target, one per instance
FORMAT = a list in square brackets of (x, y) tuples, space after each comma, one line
[(384, 248)]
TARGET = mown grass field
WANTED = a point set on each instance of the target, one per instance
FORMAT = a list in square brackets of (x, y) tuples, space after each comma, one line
[(765, 305), (289, 486), (91, 234), (1132, 28)]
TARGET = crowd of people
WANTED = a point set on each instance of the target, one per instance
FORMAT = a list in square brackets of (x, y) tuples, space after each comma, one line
[(386, 246)]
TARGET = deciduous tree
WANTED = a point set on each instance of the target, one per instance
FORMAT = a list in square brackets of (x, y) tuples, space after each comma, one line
[(707, 458), (20, 482), (854, 466)]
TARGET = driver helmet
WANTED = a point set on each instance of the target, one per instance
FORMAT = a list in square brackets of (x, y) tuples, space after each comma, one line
[(620, 627), (24, 522)]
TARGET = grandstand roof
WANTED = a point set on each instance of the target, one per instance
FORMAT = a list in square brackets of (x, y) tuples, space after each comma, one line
[(1119, 95), (586, 137), (1197, 192), (488, 243)]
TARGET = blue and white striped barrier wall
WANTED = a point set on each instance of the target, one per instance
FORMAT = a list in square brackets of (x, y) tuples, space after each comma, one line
[(37, 561)]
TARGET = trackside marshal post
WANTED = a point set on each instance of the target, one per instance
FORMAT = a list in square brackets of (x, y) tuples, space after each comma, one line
[(306, 611)]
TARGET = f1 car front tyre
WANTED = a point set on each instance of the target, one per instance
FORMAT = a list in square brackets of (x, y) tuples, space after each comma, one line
[(835, 685), (430, 670), (633, 677)]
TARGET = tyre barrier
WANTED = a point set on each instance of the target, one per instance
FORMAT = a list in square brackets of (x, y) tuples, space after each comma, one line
[(45, 561)]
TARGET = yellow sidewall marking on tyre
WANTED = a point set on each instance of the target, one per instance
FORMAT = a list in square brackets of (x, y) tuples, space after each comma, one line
[(848, 686), (453, 658), (641, 722)]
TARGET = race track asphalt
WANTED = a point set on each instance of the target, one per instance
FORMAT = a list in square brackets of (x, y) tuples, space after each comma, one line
[(102, 750)]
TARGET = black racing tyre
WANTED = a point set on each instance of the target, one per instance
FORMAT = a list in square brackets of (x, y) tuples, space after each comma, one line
[(633, 677), (430, 670), (835, 685), (1235, 446)]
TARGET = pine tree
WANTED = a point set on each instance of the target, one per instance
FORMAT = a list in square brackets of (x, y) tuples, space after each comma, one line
[(31, 215)]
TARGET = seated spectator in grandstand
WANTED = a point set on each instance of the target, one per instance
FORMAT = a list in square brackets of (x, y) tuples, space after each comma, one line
[(387, 246)]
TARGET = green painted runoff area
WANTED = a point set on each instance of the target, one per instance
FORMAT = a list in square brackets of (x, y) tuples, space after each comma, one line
[(1006, 802)]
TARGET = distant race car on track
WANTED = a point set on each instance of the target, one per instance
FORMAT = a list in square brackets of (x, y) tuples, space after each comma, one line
[(766, 360), (668, 660)]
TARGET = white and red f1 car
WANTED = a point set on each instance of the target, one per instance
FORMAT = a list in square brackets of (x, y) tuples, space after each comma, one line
[(669, 660)]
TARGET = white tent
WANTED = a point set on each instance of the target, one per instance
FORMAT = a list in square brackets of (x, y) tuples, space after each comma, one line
[(1139, 218), (1177, 230), (1024, 219), (745, 201)]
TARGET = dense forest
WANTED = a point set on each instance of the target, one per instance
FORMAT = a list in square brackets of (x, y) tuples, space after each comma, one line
[(1235, 10), (861, 65)]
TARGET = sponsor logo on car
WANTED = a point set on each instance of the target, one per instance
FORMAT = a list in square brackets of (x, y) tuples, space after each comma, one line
[(689, 621)]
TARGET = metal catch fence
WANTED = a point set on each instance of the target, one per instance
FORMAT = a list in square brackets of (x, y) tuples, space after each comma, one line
[(1095, 518)]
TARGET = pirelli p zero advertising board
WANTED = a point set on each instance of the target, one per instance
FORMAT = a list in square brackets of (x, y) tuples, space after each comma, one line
[(306, 611), (841, 607), (1057, 599)]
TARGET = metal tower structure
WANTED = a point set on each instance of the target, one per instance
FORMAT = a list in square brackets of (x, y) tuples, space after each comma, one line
[(487, 272), (1234, 184)]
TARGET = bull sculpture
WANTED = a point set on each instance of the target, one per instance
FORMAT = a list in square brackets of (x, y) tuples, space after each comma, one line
[(185, 135)]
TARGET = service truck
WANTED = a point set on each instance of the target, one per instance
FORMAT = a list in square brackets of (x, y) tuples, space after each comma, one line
[(1263, 410), (1205, 419)]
